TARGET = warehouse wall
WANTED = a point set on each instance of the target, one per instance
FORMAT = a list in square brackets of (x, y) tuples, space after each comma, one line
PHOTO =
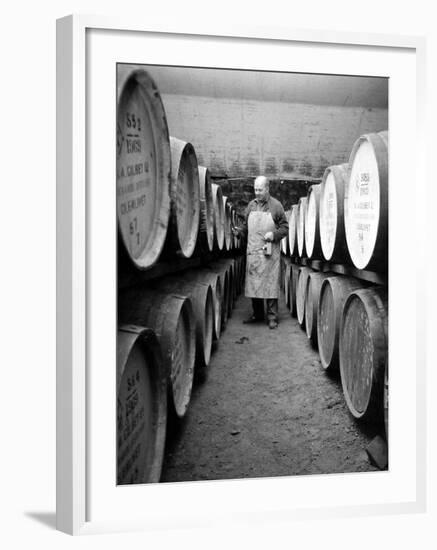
[(243, 138)]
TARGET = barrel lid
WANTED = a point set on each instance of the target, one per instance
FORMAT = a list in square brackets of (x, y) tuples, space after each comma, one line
[(143, 169), (366, 198)]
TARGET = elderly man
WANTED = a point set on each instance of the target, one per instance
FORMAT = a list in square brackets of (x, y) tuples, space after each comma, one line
[(264, 223)]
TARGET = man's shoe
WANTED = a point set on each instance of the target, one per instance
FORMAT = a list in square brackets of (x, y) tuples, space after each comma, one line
[(272, 324), (252, 319)]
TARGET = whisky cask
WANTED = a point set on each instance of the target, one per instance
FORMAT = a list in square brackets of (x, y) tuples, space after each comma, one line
[(312, 233), (185, 200), (171, 317), (301, 215), (366, 203), (314, 286), (302, 280), (333, 294), (364, 351), (143, 165), (141, 406), (206, 227), (332, 235), (219, 216), (292, 231)]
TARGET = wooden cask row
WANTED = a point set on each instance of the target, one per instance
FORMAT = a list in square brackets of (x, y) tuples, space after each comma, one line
[(333, 294), (366, 203), (293, 288), (141, 406), (301, 215), (200, 295), (364, 351), (172, 320), (314, 286), (143, 170), (304, 273), (206, 228), (292, 231), (213, 279), (219, 216), (332, 235), (184, 221), (312, 232)]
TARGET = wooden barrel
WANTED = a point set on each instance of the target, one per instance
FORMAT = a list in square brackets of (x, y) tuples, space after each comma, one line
[(312, 233), (172, 320), (366, 203), (200, 295), (221, 270), (292, 231), (301, 215), (219, 216), (206, 229), (304, 273), (237, 266), (333, 295), (293, 289), (185, 200), (234, 281), (314, 286), (284, 246), (143, 170), (234, 223), (227, 227), (141, 406), (332, 235), (227, 265), (213, 279), (364, 351), (284, 241), (286, 285), (242, 272)]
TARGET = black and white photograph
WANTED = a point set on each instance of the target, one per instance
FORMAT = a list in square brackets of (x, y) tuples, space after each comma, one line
[(252, 268)]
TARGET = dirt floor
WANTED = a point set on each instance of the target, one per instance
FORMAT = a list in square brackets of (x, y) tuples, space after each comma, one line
[(266, 408)]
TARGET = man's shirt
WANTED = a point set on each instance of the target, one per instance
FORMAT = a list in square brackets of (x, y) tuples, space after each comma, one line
[(272, 205)]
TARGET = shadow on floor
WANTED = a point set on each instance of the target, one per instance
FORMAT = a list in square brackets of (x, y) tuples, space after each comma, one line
[(46, 518)]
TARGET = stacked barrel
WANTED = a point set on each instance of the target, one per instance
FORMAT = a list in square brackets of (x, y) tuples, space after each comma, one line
[(168, 212), (335, 273)]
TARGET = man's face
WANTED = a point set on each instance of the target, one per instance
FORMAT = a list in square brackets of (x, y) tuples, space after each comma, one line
[(260, 189)]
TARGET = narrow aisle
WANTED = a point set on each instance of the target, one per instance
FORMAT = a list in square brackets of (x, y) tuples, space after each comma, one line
[(266, 408)]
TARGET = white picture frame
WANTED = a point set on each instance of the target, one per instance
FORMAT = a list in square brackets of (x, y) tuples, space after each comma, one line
[(82, 305)]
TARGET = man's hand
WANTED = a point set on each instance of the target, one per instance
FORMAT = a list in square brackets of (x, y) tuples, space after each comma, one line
[(268, 236), (235, 232)]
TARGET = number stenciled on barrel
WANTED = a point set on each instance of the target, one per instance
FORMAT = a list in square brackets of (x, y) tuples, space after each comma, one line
[(133, 121), (133, 229)]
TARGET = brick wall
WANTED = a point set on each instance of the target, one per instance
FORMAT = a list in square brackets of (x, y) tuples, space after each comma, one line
[(244, 138)]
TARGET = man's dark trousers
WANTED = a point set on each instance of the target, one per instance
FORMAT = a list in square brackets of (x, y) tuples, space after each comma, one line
[(271, 308)]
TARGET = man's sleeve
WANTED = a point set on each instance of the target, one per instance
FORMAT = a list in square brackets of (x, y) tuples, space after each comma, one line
[(281, 223), (242, 229)]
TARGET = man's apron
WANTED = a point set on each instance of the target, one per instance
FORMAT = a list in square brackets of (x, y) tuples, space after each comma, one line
[(262, 272)]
